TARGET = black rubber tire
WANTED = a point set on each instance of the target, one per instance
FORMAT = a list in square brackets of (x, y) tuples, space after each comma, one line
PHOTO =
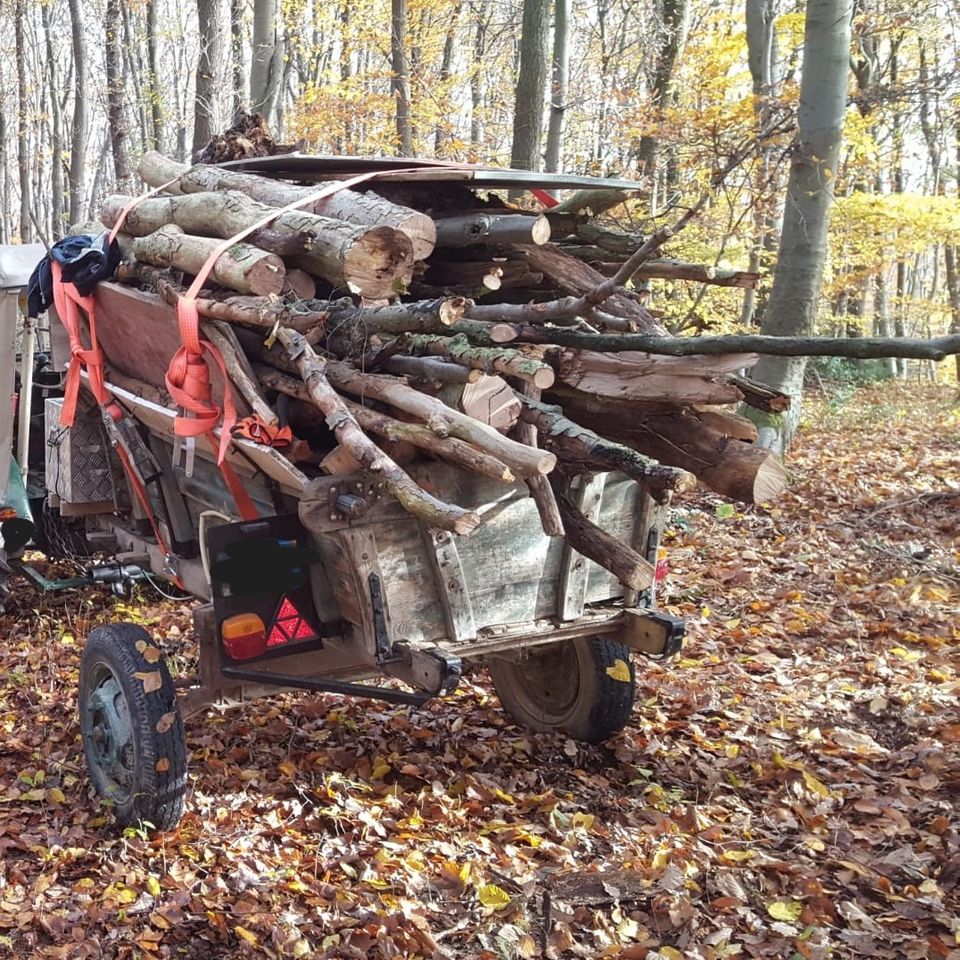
[(146, 779), (577, 686)]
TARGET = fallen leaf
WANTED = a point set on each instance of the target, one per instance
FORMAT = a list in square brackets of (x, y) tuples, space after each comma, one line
[(152, 681)]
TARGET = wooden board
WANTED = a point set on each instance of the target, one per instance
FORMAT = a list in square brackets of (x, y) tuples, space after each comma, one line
[(138, 334), (510, 569)]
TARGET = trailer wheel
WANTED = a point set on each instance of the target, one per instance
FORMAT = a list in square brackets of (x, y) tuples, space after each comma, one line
[(131, 727), (584, 687)]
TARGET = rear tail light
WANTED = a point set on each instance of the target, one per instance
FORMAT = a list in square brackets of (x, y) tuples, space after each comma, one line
[(244, 636), (289, 626)]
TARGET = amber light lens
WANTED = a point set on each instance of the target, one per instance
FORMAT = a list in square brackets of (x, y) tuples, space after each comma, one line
[(244, 636)]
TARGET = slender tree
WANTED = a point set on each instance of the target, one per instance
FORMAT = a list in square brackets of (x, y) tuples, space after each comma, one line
[(113, 58), (236, 56), (23, 116), (400, 77), (209, 63), (153, 77), (797, 279), (558, 85), (531, 86), (266, 65), (56, 127)]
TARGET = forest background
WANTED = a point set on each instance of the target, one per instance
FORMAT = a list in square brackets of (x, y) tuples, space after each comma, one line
[(664, 91)]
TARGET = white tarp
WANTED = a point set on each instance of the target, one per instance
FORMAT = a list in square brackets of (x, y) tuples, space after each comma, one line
[(16, 265), (17, 262)]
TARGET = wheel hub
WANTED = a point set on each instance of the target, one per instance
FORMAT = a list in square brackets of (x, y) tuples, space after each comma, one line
[(111, 734)]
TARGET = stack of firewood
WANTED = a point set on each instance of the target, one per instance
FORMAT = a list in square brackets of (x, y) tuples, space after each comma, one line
[(413, 320)]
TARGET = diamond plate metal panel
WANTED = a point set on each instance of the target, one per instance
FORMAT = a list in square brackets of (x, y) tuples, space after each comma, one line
[(77, 459)]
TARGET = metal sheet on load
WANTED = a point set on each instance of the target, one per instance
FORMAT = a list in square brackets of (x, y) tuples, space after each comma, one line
[(299, 166)]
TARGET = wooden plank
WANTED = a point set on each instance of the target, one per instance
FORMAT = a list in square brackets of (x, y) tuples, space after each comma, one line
[(574, 567), (361, 555), (452, 587)]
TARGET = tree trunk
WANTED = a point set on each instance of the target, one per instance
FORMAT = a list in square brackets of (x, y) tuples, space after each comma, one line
[(154, 86), (56, 131), (477, 88), (113, 58), (803, 243), (400, 78), (242, 267), (209, 70), (238, 75), (531, 86), (558, 86), (23, 112), (265, 66), (491, 228)]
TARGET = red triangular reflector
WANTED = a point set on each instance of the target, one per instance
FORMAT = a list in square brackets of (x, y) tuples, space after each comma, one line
[(289, 625)]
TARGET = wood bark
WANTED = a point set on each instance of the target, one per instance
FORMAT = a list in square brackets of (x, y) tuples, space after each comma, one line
[(78, 141), (266, 62), (431, 370), (242, 267), (441, 419), (367, 261), (531, 86), (56, 129), (797, 279), (23, 110), (208, 82), (400, 77), (558, 84), (157, 141), (355, 207), (586, 537), (238, 368), (344, 426), (491, 228), (541, 490), (450, 449), (581, 450), (116, 82), (501, 360)]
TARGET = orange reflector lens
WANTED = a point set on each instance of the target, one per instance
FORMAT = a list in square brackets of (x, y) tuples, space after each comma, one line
[(244, 636)]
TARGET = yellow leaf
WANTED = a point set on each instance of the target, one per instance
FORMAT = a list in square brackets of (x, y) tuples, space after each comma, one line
[(287, 768), (151, 654), (786, 910), (247, 935), (904, 654), (619, 671), (671, 953), (738, 856), (493, 897), (152, 681), (815, 786), (56, 795), (34, 796), (585, 820), (380, 769), (153, 886), (660, 859)]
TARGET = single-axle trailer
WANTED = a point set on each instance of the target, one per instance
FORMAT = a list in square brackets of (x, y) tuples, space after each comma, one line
[(332, 587)]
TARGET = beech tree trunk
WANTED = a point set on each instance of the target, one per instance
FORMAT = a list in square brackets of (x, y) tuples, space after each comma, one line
[(23, 108), (113, 59), (153, 79), (56, 130), (531, 86), (558, 84), (78, 143), (400, 79), (209, 72), (803, 242), (266, 66)]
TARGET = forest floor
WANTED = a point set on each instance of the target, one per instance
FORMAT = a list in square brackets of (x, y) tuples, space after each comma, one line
[(788, 786)]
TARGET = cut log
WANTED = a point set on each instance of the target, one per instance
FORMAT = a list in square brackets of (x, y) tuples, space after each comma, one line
[(242, 267), (441, 419), (489, 399), (727, 423), (366, 261), (632, 570), (263, 312), (640, 376), (450, 449), (541, 490), (411, 496), (431, 370), (492, 228), (299, 284), (489, 359), (359, 208), (582, 450)]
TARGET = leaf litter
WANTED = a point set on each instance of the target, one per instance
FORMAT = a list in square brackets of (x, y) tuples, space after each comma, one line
[(787, 787)]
